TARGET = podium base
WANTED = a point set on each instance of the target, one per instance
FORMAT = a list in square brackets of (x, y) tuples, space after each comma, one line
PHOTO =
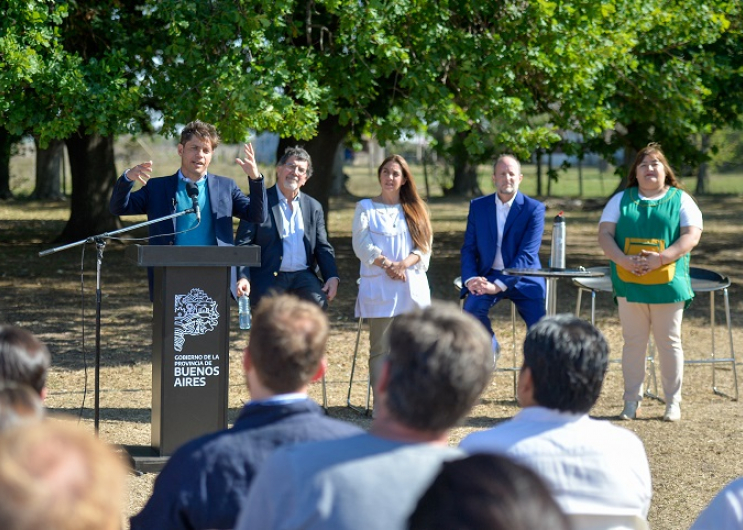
[(144, 459)]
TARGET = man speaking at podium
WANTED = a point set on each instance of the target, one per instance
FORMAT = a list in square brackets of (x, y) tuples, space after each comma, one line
[(215, 199)]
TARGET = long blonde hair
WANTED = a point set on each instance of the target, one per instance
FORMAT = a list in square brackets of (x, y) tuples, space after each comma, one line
[(416, 211)]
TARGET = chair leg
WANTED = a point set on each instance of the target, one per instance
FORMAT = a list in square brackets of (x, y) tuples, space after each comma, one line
[(593, 308), (357, 408), (324, 394), (730, 338), (713, 359), (651, 360), (513, 347)]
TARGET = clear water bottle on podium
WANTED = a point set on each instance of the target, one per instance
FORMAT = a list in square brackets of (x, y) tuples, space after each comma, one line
[(243, 304)]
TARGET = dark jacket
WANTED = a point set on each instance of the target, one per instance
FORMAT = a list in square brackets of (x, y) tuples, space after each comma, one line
[(157, 199), (206, 481), (320, 254)]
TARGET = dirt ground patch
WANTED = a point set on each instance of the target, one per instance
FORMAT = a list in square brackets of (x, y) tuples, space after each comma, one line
[(690, 461)]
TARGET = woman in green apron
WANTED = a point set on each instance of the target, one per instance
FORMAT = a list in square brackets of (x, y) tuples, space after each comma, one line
[(648, 231)]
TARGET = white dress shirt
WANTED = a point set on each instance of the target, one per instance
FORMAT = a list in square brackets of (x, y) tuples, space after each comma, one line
[(292, 236), (591, 466), (501, 214)]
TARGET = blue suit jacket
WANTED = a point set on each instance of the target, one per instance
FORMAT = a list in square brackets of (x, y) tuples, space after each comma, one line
[(320, 253), (522, 237), (157, 199), (206, 481)]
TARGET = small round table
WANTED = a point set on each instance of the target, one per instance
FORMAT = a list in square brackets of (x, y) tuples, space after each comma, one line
[(552, 275)]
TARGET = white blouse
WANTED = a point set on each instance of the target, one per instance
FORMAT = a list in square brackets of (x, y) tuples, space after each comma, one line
[(381, 229)]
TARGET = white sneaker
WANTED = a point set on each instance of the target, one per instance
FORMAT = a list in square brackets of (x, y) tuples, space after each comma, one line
[(630, 410), (673, 412)]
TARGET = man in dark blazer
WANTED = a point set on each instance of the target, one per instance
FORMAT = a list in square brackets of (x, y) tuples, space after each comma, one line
[(219, 198), (504, 231), (206, 481), (293, 240)]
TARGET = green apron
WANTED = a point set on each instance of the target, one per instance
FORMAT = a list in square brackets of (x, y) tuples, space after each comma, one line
[(653, 224)]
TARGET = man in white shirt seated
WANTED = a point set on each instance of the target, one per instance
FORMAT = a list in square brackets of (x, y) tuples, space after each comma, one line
[(592, 467)]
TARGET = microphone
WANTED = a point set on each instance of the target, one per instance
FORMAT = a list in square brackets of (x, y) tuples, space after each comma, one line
[(193, 192)]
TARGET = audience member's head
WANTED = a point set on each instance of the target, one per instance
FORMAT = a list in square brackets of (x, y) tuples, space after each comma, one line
[(565, 361), (438, 365), (23, 358), (19, 405), (53, 475), (487, 491), (287, 342)]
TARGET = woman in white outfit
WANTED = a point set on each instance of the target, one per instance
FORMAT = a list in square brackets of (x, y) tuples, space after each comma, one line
[(392, 237)]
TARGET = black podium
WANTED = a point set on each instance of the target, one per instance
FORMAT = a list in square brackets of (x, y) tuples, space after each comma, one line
[(190, 338)]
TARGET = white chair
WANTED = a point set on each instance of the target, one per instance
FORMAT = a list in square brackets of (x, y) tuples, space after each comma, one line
[(363, 410)]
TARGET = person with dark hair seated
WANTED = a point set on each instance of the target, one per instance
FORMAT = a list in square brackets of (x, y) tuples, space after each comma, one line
[(487, 491), (593, 468)]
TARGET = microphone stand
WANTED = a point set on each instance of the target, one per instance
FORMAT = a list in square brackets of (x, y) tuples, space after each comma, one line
[(100, 241)]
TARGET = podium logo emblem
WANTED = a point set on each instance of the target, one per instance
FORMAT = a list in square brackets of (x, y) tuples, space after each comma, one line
[(195, 314)]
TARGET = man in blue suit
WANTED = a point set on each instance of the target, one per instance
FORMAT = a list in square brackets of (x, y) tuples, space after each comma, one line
[(219, 198), (293, 240), (504, 231)]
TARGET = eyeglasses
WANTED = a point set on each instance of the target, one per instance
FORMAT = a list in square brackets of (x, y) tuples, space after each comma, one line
[(296, 169)]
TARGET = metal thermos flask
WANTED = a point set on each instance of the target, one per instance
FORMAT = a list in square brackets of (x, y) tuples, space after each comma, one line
[(557, 256)]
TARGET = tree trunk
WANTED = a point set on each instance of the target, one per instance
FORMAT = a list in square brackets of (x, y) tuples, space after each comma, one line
[(6, 142), (93, 177), (322, 149), (702, 173), (49, 163), (465, 173), (539, 173), (339, 177)]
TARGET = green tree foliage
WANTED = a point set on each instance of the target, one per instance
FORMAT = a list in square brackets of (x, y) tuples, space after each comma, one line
[(321, 70), (66, 73), (347, 67), (675, 88)]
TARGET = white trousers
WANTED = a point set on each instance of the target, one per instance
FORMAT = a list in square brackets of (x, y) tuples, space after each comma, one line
[(664, 320)]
